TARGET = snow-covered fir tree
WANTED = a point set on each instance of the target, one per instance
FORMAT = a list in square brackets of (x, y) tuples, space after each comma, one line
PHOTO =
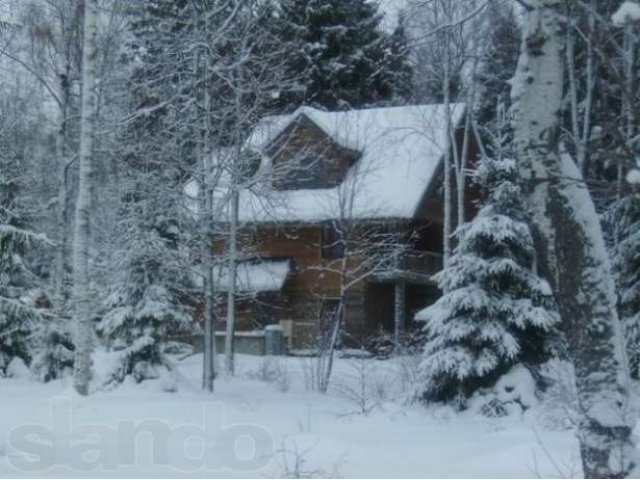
[(149, 298), (622, 223), (51, 346), (340, 55), (496, 311), (18, 314)]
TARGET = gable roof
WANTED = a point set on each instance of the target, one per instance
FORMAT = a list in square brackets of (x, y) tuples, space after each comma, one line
[(401, 149)]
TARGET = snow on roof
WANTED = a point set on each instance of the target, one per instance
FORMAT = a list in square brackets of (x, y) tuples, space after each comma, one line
[(400, 150), (253, 277), (400, 147)]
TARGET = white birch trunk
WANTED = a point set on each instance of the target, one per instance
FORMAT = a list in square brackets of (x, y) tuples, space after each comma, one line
[(82, 298), (591, 83), (209, 370), (60, 280), (461, 181), (231, 289), (209, 357), (573, 95), (581, 131), (629, 42), (573, 251), (236, 166), (61, 247), (325, 355), (447, 194)]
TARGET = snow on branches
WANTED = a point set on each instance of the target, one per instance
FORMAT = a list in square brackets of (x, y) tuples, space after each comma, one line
[(496, 311)]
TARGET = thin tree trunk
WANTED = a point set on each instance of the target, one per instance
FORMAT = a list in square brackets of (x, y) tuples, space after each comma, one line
[(573, 95), (627, 108), (447, 228), (236, 166), (63, 215), (464, 158), (325, 369), (231, 289), (60, 280), (591, 84), (209, 370), (82, 292), (573, 250)]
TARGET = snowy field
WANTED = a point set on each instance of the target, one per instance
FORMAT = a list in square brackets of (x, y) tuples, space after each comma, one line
[(266, 423)]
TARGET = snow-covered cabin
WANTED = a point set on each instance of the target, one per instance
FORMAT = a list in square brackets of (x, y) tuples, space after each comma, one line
[(370, 179)]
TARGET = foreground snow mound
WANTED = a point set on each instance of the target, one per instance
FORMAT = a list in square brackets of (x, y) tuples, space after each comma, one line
[(302, 433)]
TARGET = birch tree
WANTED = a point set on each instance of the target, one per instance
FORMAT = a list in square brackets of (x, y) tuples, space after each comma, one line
[(450, 40), (82, 298), (47, 48), (572, 246), (243, 74), (354, 252)]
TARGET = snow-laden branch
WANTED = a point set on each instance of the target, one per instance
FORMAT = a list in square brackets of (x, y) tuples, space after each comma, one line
[(32, 71), (24, 235)]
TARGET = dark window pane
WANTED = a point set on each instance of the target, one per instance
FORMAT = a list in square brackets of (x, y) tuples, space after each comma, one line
[(332, 243)]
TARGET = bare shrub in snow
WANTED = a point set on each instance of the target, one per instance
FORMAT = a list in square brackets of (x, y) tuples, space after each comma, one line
[(559, 402), (358, 385), (283, 378), (309, 367), (295, 462), (273, 370)]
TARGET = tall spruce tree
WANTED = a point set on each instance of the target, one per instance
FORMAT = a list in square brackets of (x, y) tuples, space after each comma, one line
[(497, 311), (148, 297), (16, 316), (398, 63), (498, 62), (340, 55), (17, 313), (622, 224), (51, 345)]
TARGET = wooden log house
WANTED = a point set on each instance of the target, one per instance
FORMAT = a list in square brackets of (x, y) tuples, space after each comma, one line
[(355, 194)]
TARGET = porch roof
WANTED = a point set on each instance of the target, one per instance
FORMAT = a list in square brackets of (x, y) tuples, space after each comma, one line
[(254, 276)]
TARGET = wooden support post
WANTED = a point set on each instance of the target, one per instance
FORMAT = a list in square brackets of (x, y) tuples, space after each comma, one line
[(399, 311)]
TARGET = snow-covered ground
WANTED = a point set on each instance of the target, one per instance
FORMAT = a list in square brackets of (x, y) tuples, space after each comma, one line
[(266, 423)]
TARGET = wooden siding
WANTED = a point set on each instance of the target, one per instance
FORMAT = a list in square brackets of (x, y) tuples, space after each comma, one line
[(312, 278), (304, 140)]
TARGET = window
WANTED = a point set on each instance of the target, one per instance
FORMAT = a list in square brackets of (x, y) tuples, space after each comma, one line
[(332, 243), (303, 172)]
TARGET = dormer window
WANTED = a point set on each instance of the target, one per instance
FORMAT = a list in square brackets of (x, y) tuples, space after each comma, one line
[(304, 172), (305, 158)]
